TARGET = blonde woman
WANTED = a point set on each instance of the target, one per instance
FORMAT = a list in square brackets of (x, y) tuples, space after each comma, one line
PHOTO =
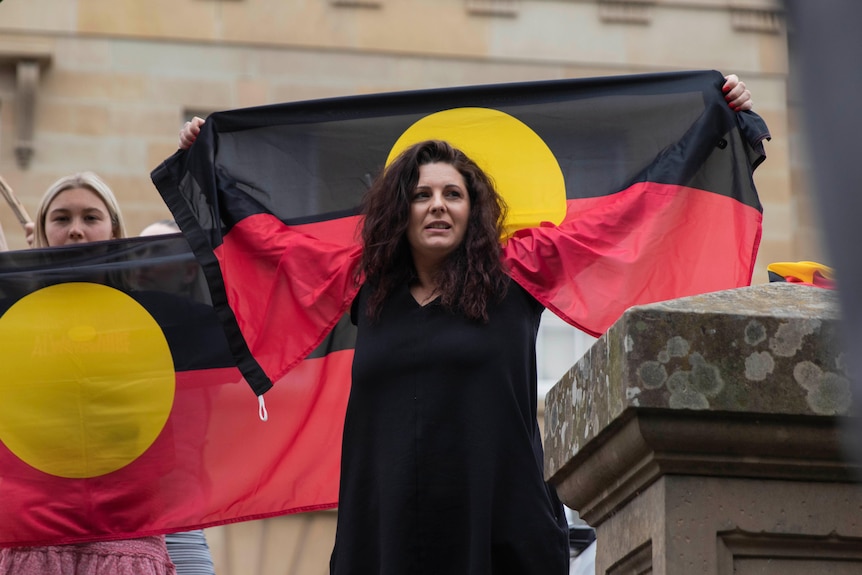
[(78, 208)]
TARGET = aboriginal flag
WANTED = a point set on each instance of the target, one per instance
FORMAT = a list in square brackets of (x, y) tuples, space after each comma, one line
[(122, 410), (621, 191), (804, 273)]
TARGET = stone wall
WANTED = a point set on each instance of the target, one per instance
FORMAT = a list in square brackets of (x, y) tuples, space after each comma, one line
[(704, 435)]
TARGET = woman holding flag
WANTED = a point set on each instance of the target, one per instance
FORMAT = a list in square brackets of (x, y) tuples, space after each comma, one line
[(442, 457), (442, 464)]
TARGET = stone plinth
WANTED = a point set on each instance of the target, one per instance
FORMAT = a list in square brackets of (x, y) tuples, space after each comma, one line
[(703, 436)]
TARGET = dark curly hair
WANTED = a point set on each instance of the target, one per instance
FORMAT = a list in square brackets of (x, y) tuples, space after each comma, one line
[(473, 274)]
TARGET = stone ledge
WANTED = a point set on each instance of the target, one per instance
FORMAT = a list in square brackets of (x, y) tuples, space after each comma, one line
[(767, 349), (646, 444)]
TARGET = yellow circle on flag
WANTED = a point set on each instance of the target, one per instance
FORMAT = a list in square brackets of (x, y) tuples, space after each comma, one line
[(88, 380), (524, 170)]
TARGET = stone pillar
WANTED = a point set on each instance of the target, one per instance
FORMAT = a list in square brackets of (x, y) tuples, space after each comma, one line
[(703, 436)]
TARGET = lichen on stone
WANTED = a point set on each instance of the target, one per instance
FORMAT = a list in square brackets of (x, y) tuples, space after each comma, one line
[(789, 337), (653, 374), (758, 365), (755, 333), (678, 346)]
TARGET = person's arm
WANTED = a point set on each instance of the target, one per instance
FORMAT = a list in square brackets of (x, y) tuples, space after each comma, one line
[(738, 97), (4, 247)]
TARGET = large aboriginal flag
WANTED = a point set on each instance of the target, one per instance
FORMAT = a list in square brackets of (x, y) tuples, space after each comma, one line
[(122, 411), (621, 191), (125, 407)]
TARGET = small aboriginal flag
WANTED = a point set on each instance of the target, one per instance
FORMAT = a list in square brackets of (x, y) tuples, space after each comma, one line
[(122, 410), (621, 191), (804, 273)]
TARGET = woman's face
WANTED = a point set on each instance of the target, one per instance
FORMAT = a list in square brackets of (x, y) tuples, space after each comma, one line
[(439, 213), (77, 216)]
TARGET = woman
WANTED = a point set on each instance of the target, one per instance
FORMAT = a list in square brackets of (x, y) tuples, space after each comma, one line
[(77, 209), (442, 458), (441, 467)]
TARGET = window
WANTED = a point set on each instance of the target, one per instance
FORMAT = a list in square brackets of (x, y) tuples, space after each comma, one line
[(558, 348)]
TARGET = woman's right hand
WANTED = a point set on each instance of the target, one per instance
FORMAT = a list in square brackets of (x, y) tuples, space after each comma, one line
[(190, 132)]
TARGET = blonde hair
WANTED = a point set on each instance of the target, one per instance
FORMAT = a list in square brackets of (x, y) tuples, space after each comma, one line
[(87, 181)]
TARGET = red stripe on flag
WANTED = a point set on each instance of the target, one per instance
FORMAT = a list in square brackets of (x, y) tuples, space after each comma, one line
[(302, 278), (215, 462), (626, 243)]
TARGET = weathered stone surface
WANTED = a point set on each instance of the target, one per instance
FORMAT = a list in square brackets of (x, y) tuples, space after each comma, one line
[(766, 349), (704, 435)]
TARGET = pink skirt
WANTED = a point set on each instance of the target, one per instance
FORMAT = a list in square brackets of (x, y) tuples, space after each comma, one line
[(144, 556)]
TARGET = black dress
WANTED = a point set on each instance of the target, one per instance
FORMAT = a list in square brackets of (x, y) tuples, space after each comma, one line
[(441, 469)]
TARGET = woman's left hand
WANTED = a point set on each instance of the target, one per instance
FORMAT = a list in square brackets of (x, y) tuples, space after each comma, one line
[(737, 95)]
